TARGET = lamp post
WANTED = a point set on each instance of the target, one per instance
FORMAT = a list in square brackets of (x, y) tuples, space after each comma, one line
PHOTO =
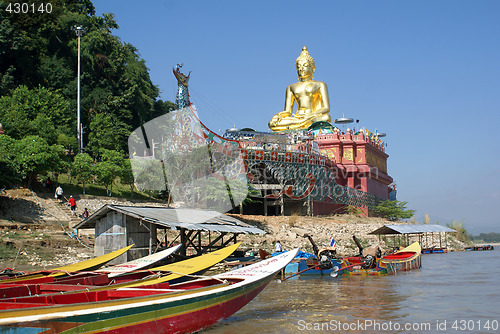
[(79, 30)]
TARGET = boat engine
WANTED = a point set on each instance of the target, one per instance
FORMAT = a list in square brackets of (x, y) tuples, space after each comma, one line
[(367, 256), (325, 259), (325, 256), (9, 272), (367, 261)]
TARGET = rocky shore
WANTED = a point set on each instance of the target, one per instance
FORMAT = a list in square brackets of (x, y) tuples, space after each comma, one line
[(290, 232), (34, 230)]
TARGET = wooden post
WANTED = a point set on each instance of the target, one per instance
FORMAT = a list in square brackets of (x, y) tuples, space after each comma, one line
[(150, 238), (282, 205), (265, 202), (199, 242), (183, 241), (166, 239)]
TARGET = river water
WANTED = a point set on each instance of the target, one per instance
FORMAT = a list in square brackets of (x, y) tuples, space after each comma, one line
[(457, 292)]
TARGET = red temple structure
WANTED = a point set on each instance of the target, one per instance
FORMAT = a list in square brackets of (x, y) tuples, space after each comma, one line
[(360, 159)]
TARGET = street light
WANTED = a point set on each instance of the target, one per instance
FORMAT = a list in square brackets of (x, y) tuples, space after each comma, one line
[(79, 31)]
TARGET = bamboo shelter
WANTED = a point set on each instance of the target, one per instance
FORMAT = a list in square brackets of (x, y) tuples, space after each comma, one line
[(430, 237)]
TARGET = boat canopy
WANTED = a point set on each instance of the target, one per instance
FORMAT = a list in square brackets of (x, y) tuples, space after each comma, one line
[(411, 229)]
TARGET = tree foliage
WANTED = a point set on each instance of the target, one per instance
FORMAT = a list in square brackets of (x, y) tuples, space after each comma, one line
[(83, 168), (109, 168), (8, 169), (39, 112), (38, 83), (394, 210), (127, 176), (487, 237), (24, 159)]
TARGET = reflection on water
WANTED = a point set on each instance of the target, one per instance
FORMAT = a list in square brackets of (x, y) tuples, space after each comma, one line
[(449, 287)]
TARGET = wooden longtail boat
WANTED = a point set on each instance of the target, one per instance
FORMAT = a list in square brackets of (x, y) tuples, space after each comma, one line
[(87, 265), (322, 262), (101, 281), (310, 267), (406, 259), (180, 308), (480, 248), (138, 264)]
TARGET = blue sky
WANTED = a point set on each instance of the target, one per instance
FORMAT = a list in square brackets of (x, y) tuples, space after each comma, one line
[(425, 72)]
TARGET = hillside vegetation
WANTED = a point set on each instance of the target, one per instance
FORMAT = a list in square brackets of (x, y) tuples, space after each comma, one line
[(38, 96)]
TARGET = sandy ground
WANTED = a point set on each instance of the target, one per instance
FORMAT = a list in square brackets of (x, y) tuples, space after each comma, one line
[(34, 231)]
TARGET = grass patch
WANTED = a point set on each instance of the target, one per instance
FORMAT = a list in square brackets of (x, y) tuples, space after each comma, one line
[(71, 187), (7, 252)]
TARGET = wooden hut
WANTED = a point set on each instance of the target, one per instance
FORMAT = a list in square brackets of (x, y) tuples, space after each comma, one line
[(117, 226)]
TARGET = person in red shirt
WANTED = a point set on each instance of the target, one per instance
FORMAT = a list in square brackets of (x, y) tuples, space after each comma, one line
[(72, 204)]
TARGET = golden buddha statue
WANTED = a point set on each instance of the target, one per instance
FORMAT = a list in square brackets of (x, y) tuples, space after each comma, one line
[(310, 95)]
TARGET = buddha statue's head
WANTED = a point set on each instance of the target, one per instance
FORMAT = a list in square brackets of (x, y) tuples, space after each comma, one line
[(305, 64)]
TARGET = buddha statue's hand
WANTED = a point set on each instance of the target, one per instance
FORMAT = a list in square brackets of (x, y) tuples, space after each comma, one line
[(283, 114), (279, 117)]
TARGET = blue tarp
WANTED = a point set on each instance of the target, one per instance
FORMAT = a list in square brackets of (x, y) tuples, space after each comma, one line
[(300, 255)]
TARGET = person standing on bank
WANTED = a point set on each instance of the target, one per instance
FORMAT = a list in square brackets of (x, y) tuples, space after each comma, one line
[(59, 193), (85, 214), (72, 205), (277, 247)]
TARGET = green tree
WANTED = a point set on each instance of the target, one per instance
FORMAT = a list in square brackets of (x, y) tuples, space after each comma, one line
[(108, 133), (69, 143), (148, 175), (41, 51), (36, 156), (394, 210), (487, 237), (8, 171), (108, 169), (222, 194), (38, 112), (83, 168), (127, 176)]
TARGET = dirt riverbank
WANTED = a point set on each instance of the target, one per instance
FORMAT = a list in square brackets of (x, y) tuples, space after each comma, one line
[(34, 230)]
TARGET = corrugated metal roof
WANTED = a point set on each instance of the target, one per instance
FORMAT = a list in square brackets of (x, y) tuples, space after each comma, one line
[(190, 219), (411, 229)]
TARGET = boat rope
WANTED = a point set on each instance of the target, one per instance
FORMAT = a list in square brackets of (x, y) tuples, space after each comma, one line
[(393, 267), (36, 199), (75, 236)]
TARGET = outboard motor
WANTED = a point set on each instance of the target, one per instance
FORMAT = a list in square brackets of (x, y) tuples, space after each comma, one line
[(358, 244), (367, 260), (315, 247), (9, 272), (325, 259), (324, 256)]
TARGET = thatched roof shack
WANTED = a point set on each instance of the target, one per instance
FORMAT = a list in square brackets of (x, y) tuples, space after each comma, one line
[(117, 226)]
